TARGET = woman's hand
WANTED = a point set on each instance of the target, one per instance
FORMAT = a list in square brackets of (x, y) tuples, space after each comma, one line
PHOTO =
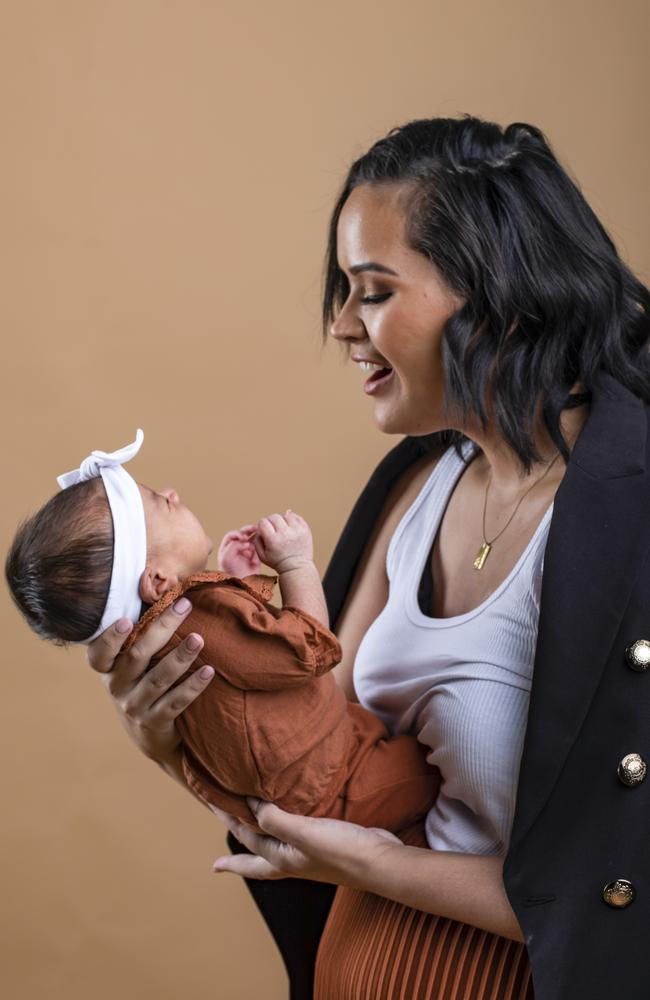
[(317, 848), (146, 701)]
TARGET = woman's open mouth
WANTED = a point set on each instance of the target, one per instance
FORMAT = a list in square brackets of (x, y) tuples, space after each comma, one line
[(378, 379)]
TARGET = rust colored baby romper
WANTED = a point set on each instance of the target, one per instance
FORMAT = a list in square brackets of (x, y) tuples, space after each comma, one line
[(273, 722)]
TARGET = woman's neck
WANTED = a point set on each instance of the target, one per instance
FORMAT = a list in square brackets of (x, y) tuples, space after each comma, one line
[(498, 462)]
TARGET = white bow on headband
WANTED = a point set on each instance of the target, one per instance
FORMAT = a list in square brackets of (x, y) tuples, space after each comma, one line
[(129, 528)]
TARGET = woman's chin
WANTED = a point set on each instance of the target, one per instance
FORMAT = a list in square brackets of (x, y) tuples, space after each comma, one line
[(407, 420), (389, 422), (382, 415)]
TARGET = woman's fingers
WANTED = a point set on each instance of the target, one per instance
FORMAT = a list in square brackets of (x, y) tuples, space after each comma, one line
[(171, 704), (283, 836), (270, 856), (135, 660), (250, 866), (279, 824), (149, 692), (103, 651), (148, 698), (311, 847)]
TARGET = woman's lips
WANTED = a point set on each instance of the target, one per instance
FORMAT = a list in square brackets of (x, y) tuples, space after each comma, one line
[(376, 381)]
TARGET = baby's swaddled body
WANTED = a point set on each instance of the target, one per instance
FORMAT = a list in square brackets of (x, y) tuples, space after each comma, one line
[(273, 723)]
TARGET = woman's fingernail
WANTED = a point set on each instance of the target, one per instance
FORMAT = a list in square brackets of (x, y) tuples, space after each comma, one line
[(123, 626), (193, 642), (206, 672), (253, 804), (182, 605)]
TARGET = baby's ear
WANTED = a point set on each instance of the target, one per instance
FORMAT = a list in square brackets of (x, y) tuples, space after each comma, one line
[(153, 585)]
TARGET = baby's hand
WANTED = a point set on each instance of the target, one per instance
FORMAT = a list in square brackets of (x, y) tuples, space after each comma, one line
[(237, 554), (284, 542)]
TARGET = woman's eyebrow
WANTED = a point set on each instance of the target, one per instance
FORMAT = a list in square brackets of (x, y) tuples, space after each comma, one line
[(372, 265)]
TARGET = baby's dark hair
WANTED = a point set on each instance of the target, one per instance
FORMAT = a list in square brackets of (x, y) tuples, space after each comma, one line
[(60, 562)]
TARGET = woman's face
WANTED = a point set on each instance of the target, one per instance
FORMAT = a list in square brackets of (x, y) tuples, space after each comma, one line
[(395, 312)]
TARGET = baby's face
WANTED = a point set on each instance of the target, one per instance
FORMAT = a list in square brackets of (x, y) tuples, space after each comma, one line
[(175, 537)]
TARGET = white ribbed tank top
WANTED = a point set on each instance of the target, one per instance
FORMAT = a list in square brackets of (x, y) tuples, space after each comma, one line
[(460, 684)]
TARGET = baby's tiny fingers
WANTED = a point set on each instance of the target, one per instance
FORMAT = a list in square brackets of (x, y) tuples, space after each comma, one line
[(248, 529), (231, 536), (230, 544)]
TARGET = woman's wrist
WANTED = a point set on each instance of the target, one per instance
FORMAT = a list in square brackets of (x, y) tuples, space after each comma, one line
[(162, 746), (375, 872), (172, 764)]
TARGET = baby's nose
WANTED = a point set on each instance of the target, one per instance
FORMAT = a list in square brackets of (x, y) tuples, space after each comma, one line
[(171, 494)]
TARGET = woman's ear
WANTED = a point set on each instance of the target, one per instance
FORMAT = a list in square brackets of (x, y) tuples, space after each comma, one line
[(154, 583)]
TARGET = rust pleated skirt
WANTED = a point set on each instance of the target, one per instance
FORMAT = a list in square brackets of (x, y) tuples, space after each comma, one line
[(375, 949)]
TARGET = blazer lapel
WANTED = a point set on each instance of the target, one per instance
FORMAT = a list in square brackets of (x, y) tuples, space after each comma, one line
[(597, 536)]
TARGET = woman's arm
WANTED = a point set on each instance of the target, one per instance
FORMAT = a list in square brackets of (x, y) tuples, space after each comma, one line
[(464, 887)]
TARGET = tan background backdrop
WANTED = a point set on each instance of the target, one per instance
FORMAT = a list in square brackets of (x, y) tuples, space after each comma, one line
[(167, 172)]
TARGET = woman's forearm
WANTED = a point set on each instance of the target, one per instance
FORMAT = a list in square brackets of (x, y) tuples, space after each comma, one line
[(464, 887)]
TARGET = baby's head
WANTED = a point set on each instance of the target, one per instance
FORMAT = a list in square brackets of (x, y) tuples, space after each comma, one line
[(99, 549)]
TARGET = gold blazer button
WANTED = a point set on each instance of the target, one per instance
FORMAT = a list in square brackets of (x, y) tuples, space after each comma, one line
[(637, 655), (632, 769), (619, 893)]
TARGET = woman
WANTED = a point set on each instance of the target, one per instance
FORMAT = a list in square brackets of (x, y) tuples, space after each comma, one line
[(510, 346)]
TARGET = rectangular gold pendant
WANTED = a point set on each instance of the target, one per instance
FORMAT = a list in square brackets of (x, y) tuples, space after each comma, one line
[(483, 553)]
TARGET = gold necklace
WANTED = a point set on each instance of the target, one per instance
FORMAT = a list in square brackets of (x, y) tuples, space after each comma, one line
[(485, 548)]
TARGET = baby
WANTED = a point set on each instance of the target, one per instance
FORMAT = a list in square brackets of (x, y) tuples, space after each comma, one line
[(273, 723)]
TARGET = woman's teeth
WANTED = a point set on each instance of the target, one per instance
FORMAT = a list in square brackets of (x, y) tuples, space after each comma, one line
[(370, 366)]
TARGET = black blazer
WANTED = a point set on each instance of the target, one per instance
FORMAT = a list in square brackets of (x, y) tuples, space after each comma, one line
[(579, 825)]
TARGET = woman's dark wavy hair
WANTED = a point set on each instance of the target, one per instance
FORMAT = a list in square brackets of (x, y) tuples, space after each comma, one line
[(547, 299)]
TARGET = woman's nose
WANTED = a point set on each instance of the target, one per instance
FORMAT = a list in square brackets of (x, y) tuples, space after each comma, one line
[(347, 326)]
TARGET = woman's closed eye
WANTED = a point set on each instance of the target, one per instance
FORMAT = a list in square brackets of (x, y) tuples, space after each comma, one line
[(371, 300)]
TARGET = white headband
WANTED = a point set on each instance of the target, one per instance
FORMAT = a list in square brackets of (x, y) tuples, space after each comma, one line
[(129, 529)]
